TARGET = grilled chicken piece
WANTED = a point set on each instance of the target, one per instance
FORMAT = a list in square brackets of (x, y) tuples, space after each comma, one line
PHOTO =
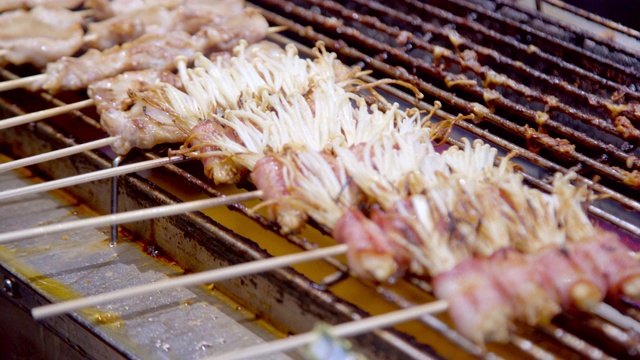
[(150, 51), (7, 5), (40, 35)]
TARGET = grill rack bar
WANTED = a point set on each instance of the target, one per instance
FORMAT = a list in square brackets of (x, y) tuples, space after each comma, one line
[(508, 46), (592, 106), (592, 17), (490, 15)]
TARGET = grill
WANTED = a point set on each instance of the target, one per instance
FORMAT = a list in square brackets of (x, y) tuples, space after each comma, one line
[(560, 97)]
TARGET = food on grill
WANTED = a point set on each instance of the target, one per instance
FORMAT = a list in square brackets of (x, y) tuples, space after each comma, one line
[(28, 4), (156, 19), (103, 9), (278, 124), (485, 238), (150, 51), (381, 218), (149, 107), (125, 104), (473, 227), (272, 71), (40, 35)]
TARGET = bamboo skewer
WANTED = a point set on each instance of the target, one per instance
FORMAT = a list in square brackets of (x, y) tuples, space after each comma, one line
[(36, 159), (20, 82), (127, 217), (93, 176), (351, 328), (43, 114), (612, 315), (200, 278)]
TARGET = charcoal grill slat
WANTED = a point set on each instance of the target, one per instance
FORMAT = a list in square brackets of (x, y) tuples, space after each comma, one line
[(594, 18), (548, 43), (508, 46), (529, 115), (588, 42), (552, 86)]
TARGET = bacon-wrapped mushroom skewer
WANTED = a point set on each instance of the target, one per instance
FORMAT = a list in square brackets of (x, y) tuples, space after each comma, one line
[(149, 107)]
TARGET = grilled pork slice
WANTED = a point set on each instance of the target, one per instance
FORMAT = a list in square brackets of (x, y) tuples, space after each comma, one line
[(269, 175), (127, 110), (157, 19), (40, 35), (370, 252), (150, 51)]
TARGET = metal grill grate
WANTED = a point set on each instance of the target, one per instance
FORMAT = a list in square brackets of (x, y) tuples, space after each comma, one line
[(562, 99)]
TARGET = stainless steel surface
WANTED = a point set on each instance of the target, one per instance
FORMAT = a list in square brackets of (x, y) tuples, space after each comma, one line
[(175, 324)]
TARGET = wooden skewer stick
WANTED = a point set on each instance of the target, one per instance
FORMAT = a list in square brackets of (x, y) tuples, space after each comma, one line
[(351, 328), (20, 82), (612, 315), (200, 278), (128, 216), (362, 326), (57, 154), (92, 176), (43, 114), (603, 310)]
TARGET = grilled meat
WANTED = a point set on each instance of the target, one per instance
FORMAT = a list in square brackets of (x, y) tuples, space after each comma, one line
[(150, 51), (28, 4), (189, 17), (40, 35), (104, 9)]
